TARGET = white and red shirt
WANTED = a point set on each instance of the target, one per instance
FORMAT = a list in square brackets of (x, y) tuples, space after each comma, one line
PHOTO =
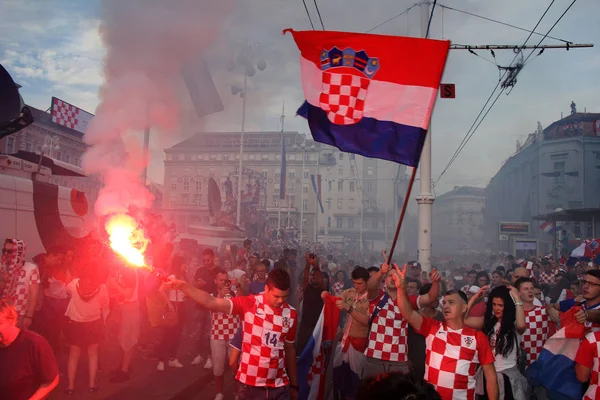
[(451, 358), (588, 355), (389, 330), (265, 330), (337, 288), (17, 287), (223, 326), (537, 328), (546, 278)]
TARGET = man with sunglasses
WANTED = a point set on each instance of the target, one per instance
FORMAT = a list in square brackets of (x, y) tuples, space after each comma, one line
[(590, 299), (19, 281)]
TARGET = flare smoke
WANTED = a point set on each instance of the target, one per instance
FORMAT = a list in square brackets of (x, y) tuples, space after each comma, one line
[(147, 43)]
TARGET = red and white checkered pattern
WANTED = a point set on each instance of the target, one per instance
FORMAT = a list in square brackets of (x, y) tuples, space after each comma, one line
[(388, 336), (338, 288), (17, 290), (465, 288), (343, 97), (223, 326), (452, 357), (537, 327), (265, 330), (589, 356), (316, 367), (547, 278), (68, 115)]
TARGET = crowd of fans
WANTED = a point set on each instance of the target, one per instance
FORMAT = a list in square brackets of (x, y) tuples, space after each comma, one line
[(461, 331)]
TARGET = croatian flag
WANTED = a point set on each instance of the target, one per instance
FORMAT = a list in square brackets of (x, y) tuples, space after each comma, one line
[(370, 94), (313, 362), (589, 248), (547, 227)]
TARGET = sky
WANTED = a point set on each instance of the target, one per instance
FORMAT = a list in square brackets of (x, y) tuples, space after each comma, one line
[(53, 48)]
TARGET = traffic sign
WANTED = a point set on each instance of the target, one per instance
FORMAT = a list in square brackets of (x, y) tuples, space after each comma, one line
[(503, 237), (447, 91)]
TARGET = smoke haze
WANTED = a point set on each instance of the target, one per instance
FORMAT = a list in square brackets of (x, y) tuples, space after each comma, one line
[(147, 43)]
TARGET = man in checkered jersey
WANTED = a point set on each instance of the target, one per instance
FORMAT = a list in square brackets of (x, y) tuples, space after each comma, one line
[(269, 334), (387, 347), (587, 364), (19, 281), (222, 329), (537, 322), (453, 350)]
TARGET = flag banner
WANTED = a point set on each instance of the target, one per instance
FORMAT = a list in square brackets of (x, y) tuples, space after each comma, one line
[(370, 94), (201, 87), (282, 175), (68, 115), (317, 189), (315, 358), (547, 227), (589, 248)]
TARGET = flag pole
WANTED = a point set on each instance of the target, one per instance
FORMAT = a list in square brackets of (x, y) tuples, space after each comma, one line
[(402, 213)]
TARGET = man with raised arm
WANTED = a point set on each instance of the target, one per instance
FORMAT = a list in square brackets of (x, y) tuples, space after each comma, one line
[(453, 350), (268, 362)]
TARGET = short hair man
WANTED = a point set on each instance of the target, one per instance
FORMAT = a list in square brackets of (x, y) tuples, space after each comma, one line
[(452, 347), (537, 322), (28, 369), (268, 361), (590, 291)]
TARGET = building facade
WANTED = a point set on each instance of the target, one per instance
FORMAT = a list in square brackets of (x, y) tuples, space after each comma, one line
[(347, 182), (556, 168), (458, 220)]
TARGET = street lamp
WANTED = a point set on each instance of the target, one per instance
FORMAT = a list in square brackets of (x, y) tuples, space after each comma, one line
[(51, 143), (302, 145), (245, 60)]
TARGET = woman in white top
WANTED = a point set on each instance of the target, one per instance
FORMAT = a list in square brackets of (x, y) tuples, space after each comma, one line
[(504, 321), (86, 312), (175, 301)]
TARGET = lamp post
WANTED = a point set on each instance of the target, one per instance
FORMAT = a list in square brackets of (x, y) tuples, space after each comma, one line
[(245, 60), (303, 145)]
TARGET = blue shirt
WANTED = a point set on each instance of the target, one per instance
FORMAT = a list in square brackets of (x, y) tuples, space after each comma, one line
[(566, 305), (257, 287)]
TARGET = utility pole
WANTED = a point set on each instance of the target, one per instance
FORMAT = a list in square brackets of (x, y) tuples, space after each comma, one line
[(317, 193), (425, 198)]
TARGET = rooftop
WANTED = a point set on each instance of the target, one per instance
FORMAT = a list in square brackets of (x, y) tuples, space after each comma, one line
[(462, 191), (232, 139)]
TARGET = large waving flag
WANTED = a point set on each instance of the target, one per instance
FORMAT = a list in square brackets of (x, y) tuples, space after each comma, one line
[(370, 94), (313, 362), (554, 368)]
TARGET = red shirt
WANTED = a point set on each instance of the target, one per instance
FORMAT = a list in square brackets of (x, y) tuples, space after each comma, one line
[(588, 356), (452, 357)]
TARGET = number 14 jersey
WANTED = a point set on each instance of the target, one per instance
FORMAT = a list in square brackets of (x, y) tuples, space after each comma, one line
[(264, 332)]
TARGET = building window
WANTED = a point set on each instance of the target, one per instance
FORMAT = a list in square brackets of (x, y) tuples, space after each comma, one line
[(58, 156), (27, 146), (292, 174), (304, 205), (341, 156), (352, 186), (175, 157), (68, 158), (252, 156), (351, 203), (341, 171), (278, 157), (276, 200), (225, 157), (237, 157), (291, 157), (185, 199), (197, 199), (306, 174), (198, 184), (365, 225), (265, 157), (338, 222), (186, 184), (329, 185), (339, 203), (370, 171), (173, 186), (328, 201), (291, 201), (375, 224), (212, 157), (340, 185), (369, 187), (173, 201), (350, 223), (188, 157), (305, 188)]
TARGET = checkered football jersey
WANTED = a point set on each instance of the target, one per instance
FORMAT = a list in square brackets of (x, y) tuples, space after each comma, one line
[(17, 289), (537, 327), (265, 330), (451, 358), (223, 326), (588, 355), (388, 335), (546, 278)]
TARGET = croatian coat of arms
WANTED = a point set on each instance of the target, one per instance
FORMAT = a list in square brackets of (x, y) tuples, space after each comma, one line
[(346, 78)]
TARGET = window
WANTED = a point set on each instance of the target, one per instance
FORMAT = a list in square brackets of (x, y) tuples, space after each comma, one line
[(27, 146), (265, 173), (173, 186), (225, 157), (329, 222), (175, 157), (338, 222), (329, 185), (305, 188), (173, 201), (340, 185), (188, 157), (68, 158), (328, 201), (198, 184), (341, 156), (291, 201), (375, 224), (306, 157), (186, 184), (276, 200), (350, 223), (278, 157), (291, 157), (341, 171), (292, 174), (265, 157), (306, 174), (278, 175), (252, 156), (339, 203), (370, 171), (185, 199), (351, 203), (197, 199), (369, 187), (58, 155), (212, 157), (237, 157), (304, 205), (365, 225), (352, 186)]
